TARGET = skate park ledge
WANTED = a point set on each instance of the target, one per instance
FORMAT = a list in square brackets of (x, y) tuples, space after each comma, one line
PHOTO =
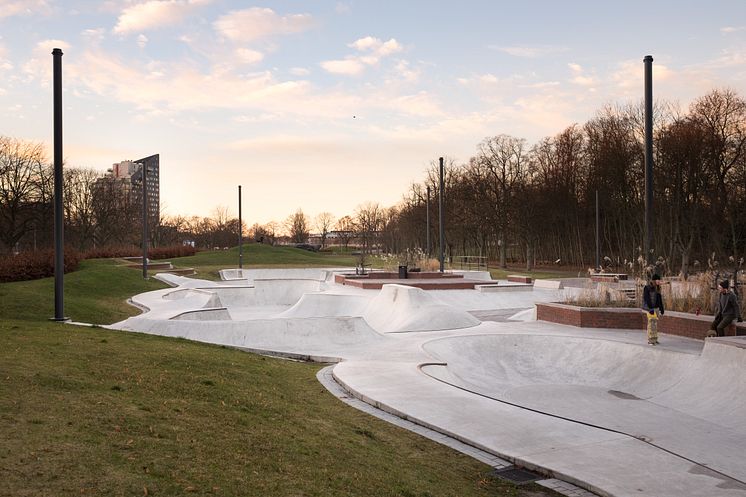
[(671, 323)]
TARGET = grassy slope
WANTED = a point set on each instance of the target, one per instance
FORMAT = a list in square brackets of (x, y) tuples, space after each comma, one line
[(208, 263), (93, 411)]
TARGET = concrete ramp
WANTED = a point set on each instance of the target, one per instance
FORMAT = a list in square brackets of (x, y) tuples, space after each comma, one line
[(312, 305), (182, 281), (283, 291), (693, 406), (329, 337), (234, 296), (399, 308)]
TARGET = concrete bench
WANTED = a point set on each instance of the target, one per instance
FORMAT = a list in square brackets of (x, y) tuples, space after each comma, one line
[(549, 284), (519, 278)]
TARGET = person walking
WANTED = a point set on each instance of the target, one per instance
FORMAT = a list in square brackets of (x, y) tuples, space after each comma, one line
[(652, 303), (726, 311)]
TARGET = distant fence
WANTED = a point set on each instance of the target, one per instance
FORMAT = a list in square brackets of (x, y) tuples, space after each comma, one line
[(471, 262)]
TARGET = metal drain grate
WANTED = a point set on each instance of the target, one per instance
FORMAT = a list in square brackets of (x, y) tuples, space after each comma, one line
[(516, 475)]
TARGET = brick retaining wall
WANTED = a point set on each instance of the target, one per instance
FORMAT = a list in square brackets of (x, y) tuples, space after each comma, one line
[(671, 323)]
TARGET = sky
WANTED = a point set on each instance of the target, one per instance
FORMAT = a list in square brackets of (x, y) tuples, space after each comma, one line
[(326, 105)]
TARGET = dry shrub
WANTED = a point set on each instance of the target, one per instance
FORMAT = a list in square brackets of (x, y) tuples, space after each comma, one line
[(172, 251), (34, 265), (698, 293), (603, 295), (112, 252)]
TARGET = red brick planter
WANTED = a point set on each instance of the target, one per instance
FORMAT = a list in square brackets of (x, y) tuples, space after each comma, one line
[(591, 317), (671, 323)]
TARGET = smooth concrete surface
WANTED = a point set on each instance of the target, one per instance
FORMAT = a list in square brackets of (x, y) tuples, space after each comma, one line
[(597, 408)]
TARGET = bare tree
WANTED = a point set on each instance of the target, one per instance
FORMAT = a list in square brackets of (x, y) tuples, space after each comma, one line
[(297, 226), (369, 220), (324, 223), (346, 230), (21, 164)]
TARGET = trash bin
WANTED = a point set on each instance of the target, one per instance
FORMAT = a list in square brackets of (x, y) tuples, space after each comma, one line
[(402, 272)]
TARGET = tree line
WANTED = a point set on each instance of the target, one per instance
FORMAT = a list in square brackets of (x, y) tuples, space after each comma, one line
[(511, 202), (528, 203)]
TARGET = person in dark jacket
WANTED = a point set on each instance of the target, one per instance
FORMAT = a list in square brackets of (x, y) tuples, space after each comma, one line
[(726, 310), (652, 303)]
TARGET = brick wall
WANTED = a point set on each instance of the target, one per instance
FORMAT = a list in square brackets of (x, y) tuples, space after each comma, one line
[(672, 323)]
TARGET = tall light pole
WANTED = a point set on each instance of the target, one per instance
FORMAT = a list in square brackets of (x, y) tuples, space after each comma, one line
[(240, 231), (144, 170), (441, 221), (59, 226), (598, 245), (648, 245), (427, 222)]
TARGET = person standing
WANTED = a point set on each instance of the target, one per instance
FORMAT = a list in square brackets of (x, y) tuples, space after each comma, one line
[(726, 311), (652, 303)]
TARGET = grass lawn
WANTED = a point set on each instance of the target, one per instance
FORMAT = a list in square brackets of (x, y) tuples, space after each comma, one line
[(209, 262), (89, 411), (537, 273)]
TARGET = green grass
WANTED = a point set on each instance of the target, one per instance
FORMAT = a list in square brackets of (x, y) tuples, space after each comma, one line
[(538, 273), (96, 293), (209, 262), (89, 411)]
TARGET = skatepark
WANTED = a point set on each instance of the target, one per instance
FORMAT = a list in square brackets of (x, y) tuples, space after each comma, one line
[(594, 407)]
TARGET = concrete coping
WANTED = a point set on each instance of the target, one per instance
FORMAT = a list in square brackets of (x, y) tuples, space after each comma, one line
[(204, 310)]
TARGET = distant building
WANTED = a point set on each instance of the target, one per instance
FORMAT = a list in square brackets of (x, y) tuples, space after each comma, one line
[(128, 174)]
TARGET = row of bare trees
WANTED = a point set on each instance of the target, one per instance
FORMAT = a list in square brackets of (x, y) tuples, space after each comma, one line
[(96, 211), (513, 201)]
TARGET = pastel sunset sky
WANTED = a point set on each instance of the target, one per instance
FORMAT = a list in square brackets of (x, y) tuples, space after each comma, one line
[(325, 105)]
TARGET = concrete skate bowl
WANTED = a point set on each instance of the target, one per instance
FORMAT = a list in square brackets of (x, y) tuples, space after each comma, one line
[(693, 406), (284, 291)]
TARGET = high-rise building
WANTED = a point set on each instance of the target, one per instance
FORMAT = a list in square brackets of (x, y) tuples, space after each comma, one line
[(129, 174)]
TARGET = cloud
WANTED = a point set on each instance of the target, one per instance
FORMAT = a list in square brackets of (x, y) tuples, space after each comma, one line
[(142, 40), (93, 36), (169, 87), (532, 52), (580, 77), (256, 23), (728, 58), (373, 50), (629, 74), (10, 8), (421, 104), (405, 71), (299, 71), (248, 56), (732, 29), (155, 14), (39, 66), (348, 67), (342, 8), (377, 47)]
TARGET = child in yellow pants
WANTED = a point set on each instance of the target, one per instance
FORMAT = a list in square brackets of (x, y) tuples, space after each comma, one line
[(652, 303)]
